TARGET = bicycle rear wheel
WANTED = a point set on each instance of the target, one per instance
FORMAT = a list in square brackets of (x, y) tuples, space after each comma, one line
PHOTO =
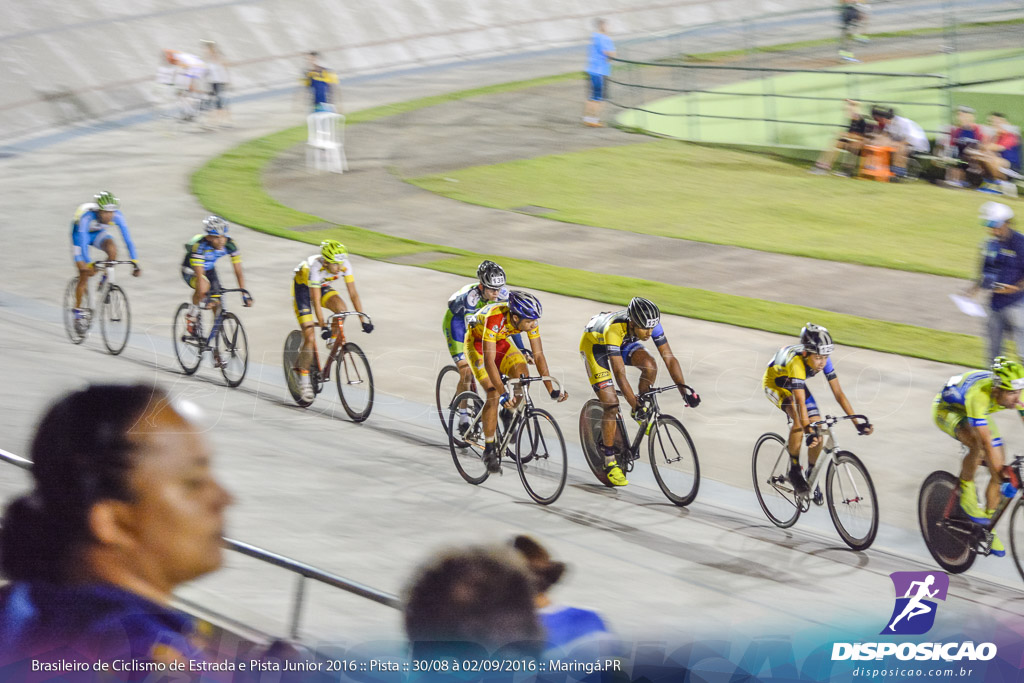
[(674, 460), (69, 313), (540, 457), (851, 500), (467, 446), (1017, 535), (946, 530), (355, 382), (770, 467), (292, 346), (591, 417), (233, 349), (187, 347), (446, 387)]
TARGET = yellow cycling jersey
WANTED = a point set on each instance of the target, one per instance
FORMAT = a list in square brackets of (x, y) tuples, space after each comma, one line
[(491, 323), (788, 371), (313, 272)]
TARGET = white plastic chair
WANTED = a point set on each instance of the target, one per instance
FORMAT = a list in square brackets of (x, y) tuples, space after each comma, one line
[(325, 146)]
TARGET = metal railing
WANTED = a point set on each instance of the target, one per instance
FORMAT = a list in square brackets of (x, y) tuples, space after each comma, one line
[(304, 571)]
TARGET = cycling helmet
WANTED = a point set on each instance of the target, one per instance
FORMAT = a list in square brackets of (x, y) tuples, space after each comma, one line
[(643, 313), (1007, 374), (215, 226), (333, 251), (816, 339), (524, 305), (106, 201), (994, 214), (491, 275)]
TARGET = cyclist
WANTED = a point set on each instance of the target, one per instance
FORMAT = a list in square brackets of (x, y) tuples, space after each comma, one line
[(610, 342), (311, 291), (198, 269), (90, 229), (491, 287), (785, 385), (490, 355), (961, 410)]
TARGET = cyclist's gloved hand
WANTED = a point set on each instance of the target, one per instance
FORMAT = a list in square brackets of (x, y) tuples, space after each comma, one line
[(1008, 489), (367, 327), (246, 299), (529, 358), (640, 413), (811, 439), (325, 333), (864, 428), (691, 397), (136, 271)]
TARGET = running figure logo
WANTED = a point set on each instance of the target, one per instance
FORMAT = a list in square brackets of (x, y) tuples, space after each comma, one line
[(914, 612)]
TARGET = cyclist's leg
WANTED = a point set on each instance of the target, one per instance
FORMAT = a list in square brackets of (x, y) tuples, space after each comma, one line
[(599, 374), (304, 315), (956, 425), (454, 328), (636, 355), (331, 300), (475, 358), (108, 245), (813, 414)]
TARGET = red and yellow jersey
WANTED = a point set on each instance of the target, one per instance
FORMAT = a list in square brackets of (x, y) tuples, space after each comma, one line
[(491, 323)]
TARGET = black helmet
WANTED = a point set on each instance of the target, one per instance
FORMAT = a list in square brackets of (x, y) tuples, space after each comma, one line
[(490, 275), (643, 313), (816, 339)]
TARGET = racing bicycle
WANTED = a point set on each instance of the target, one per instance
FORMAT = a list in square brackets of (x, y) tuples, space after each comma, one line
[(848, 489), (226, 341), (114, 312), (669, 446), (351, 369), (531, 438)]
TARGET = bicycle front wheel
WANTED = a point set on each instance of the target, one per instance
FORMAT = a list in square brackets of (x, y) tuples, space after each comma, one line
[(233, 349), (115, 320), (466, 441), (851, 500), (355, 382), (1017, 535), (674, 460), (770, 467), (946, 530), (187, 347), (69, 314), (541, 457)]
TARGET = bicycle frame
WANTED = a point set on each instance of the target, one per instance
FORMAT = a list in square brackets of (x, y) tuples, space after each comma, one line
[(335, 323), (643, 428), (1004, 504), (106, 269), (519, 411), (828, 453), (218, 320)]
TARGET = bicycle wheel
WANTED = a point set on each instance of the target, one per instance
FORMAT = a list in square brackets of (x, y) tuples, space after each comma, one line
[(590, 438), (233, 349), (69, 313), (674, 460), (292, 346), (1017, 535), (541, 457), (355, 382), (115, 320), (770, 467), (468, 452), (946, 530), (444, 391), (188, 348), (851, 500)]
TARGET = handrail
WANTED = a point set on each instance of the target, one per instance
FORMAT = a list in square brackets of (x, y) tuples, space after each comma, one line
[(779, 69), (304, 571)]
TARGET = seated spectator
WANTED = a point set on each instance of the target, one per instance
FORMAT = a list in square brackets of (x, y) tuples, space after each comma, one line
[(963, 140), (124, 508), (850, 140), (580, 633), (999, 157), (903, 135), (472, 602)]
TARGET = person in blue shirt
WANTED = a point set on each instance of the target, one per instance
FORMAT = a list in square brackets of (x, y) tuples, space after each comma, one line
[(1002, 272), (124, 508), (598, 68), (199, 267), (321, 81), (90, 228)]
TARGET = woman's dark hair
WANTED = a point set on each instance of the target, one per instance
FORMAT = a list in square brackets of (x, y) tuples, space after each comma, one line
[(81, 454), (546, 572)]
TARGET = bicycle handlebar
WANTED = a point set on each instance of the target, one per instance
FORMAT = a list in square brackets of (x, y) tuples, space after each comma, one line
[(530, 380), (829, 420), (658, 390), (108, 264), (219, 293), (345, 314)]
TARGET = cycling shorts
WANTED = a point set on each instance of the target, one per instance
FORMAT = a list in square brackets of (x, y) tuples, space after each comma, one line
[(781, 399), (948, 418), (454, 328), (507, 358), (188, 274), (596, 360), (302, 303), (96, 239)]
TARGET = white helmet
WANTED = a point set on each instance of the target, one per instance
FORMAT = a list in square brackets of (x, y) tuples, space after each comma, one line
[(994, 214)]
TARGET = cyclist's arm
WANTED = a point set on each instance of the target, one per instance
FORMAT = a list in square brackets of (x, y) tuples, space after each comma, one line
[(354, 295), (82, 236), (126, 234), (197, 260), (239, 275), (799, 398), (993, 451), (619, 373)]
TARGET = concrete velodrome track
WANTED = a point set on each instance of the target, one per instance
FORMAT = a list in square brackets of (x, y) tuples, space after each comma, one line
[(369, 501)]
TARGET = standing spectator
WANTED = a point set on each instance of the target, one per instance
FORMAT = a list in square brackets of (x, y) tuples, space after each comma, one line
[(320, 81), (1002, 271), (580, 632), (124, 509), (850, 140), (218, 78), (462, 600), (188, 81), (905, 136), (598, 69)]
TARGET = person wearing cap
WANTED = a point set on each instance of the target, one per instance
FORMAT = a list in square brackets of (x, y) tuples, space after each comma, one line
[(906, 138), (1002, 273), (573, 631)]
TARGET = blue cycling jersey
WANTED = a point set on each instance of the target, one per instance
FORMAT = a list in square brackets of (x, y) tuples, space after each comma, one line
[(86, 225), (199, 253)]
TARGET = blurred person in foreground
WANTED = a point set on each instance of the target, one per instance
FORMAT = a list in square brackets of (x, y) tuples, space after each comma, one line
[(852, 17), (1002, 273), (571, 631), (473, 602), (906, 138), (598, 70), (850, 140), (124, 508)]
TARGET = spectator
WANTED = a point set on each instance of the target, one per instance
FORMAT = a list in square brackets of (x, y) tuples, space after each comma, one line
[(850, 140), (598, 69), (189, 73), (320, 81), (124, 508), (570, 630), (999, 156), (962, 139), (900, 133), (218, 78), (1002, 272), (462, 600), (852, 15)]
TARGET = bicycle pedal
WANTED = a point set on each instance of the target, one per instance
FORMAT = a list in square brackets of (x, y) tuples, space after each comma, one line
[(818, 497)]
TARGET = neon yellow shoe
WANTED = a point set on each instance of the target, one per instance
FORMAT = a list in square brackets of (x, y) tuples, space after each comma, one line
[(969, 502), (615, 475), (997, 547)]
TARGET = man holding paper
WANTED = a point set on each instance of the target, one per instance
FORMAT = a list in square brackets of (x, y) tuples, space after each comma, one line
[(1002, 272)]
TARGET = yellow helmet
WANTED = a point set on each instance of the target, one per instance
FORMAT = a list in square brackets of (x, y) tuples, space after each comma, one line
[(333, 251)]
